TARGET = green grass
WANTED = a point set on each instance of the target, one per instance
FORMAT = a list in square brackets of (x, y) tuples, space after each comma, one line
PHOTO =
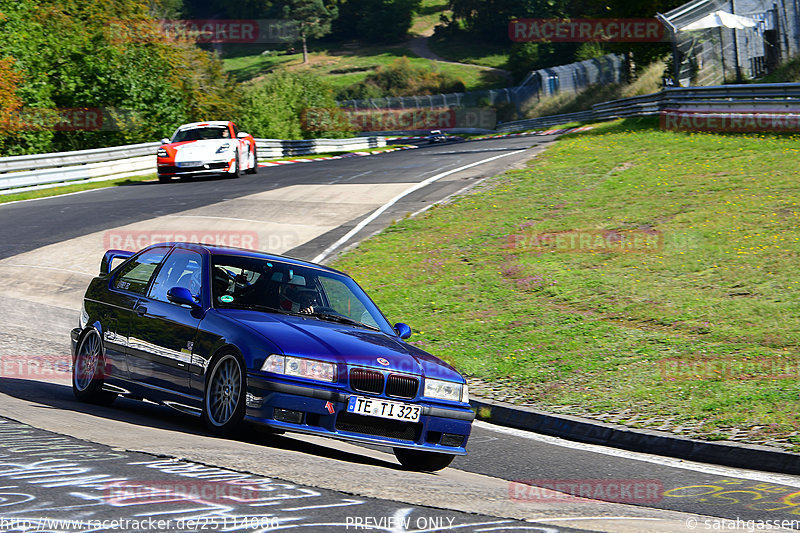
[(67, 189), (346, 66), (428, 16), (595, 332), (463, 49), (245, 63)]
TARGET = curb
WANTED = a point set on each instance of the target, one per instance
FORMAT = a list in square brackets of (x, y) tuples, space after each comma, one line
[(311, 159), (747, 456)]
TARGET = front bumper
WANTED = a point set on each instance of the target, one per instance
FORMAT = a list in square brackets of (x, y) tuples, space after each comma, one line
[(210, 167), (306, 409)]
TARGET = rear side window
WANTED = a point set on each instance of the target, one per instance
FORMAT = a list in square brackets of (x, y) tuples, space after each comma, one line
[(135, 275)]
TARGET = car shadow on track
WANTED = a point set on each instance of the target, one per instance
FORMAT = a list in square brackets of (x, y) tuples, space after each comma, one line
[(146, 414)]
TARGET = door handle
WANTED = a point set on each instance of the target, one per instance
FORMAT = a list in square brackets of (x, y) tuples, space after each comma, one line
[(141, 310)]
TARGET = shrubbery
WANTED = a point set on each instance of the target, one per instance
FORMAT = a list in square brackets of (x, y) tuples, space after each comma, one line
[(402, 78), (276, 109)]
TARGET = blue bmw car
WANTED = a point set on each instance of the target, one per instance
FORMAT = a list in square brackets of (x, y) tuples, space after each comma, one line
[(233, 335)]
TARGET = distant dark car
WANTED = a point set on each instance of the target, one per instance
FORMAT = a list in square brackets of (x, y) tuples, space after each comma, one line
[(436, 136), (232, 335)]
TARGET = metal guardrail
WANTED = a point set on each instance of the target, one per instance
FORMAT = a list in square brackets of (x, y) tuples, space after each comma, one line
[(274, 148), (51, 170), (752, 98)]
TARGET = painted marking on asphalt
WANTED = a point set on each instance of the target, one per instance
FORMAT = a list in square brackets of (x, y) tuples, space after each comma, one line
[(375, 214), (671, 462), (566, 519)]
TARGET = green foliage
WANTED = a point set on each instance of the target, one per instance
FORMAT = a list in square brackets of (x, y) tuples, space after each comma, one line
[(93, 54), (375, 20), (276, 109), (222, 9), (488, 20), (402, 78), (314, 18), (786, 73), (589, 51)]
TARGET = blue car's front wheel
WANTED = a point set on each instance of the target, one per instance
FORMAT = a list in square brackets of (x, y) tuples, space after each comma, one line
[(224, 398)]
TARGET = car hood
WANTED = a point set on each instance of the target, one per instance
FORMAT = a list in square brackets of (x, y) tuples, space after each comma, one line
[(341, 343), (192, 150)]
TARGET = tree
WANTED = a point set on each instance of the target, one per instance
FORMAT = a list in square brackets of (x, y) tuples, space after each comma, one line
[(375, 20), (9, 101), (313, 19), (78, 54)]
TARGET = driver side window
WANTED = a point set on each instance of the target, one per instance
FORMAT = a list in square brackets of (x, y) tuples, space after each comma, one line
[(183, 268)]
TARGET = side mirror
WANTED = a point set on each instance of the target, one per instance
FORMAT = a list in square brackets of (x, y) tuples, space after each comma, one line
[(165, 141), (403, 330), (182, 296), (242, 135)]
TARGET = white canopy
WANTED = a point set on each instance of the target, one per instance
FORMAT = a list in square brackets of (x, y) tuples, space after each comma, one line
[(721, 18)]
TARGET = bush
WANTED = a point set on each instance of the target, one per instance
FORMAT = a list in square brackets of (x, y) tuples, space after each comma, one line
[(402, 78), (277, 108)]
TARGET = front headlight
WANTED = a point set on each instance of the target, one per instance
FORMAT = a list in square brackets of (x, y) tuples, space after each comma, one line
[(224, 148), (162, 152), (300, 367), (444, 390)]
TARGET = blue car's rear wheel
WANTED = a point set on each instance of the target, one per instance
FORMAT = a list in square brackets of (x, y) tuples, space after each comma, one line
[(224, 398), (88, 371), (422, 461)]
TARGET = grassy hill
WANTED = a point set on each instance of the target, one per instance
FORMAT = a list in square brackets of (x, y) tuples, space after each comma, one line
[(692, 325)]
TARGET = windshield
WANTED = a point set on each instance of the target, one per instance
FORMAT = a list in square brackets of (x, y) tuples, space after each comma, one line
[(198, 134), (278, 287)]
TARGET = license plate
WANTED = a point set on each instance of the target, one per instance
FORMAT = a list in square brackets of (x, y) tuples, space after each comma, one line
[(188, 164), (384, 409)]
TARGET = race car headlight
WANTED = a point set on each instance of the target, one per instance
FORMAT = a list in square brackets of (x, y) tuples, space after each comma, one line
[(300, 367), (162, 153), (224, 148), (444, 390)]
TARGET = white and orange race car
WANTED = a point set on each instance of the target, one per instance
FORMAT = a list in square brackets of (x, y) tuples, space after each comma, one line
[(207, 148)]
